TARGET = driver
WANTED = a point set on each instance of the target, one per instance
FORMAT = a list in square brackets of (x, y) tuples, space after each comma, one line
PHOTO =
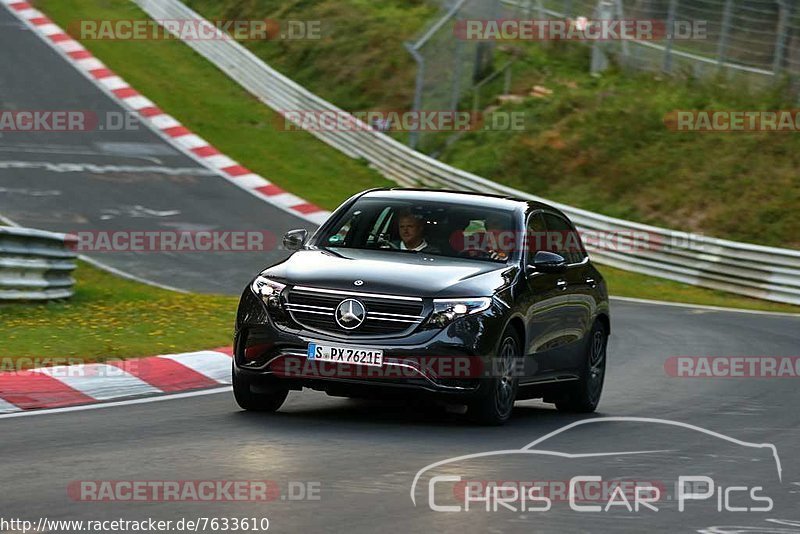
[(412, 233)]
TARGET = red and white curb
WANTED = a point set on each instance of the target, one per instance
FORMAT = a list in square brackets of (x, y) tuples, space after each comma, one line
[(165, 125), (61, 386)]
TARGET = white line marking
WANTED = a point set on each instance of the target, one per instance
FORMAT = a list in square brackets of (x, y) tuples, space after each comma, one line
[(103, 169), (220, 161), (64, 47), (163, 121), (138, 102), (7, 407), (146, 400), (100, 381), (129, 276), (250, 181), (49, 29), (287, 199), (113, 82), (702, 306), (31, 13), (191, 141), (70, 46), (90, 63), (214, 365)]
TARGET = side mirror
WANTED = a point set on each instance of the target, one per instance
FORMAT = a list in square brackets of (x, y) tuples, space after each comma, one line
[(295, 239), (548, 262)]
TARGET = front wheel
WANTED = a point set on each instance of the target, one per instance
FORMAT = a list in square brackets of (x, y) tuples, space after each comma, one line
[(263, 399), (496, 402), (584, 396)]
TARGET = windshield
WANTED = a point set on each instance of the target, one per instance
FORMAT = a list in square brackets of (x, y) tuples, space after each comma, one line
[(435, 228)]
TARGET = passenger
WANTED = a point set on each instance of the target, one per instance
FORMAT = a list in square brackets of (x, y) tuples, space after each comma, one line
[(493, 241)]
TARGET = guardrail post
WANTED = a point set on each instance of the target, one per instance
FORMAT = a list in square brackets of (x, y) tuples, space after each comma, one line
[(673, 8), (722, 46), (457, 73), (605, 11), (780, 39), (413, 136)]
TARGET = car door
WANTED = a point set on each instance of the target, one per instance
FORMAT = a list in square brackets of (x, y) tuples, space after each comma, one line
[(573, 283), (545, 303)]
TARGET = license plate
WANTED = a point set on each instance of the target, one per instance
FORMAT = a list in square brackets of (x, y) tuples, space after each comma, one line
[(338, 354)]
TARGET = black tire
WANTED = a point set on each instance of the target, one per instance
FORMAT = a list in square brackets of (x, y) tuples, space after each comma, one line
[(584, 396), (266, 400), (495, 402)]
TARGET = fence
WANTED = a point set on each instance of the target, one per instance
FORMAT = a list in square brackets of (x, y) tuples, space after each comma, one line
[(752, 270), (449, 69), (35, 265), (753, 37)]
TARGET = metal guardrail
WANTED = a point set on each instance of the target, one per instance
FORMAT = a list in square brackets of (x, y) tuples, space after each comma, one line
[(35, 265), (742, 268)]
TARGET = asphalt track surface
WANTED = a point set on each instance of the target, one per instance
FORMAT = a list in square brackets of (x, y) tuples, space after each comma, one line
[(363, 456), (157, 188)]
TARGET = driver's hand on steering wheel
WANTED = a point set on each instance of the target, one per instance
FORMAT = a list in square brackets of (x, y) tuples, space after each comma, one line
[(497, 254)]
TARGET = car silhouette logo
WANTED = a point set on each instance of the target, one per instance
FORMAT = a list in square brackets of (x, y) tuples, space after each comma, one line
[(350, 314)]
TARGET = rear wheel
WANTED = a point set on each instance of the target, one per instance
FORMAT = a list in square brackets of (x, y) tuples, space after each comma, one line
[(257, 398), (584, 396), (496, 402)]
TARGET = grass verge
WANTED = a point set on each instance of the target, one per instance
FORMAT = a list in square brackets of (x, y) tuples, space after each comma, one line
[(110, 317), (188, 87)]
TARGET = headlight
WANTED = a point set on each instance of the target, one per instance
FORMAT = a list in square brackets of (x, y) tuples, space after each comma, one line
[(268, 291), (446, 311)]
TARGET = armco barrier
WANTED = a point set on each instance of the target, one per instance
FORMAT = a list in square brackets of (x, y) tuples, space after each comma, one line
[(752, 270), (35, 265)]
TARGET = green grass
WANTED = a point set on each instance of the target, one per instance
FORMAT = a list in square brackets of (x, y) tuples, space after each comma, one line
[(596, 143), (110, 318), (188, 87), (113, 318), (627, 284), (601, 144), (590, 163)]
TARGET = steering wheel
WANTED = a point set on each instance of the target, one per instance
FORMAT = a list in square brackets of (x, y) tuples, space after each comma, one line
[(384, 243)]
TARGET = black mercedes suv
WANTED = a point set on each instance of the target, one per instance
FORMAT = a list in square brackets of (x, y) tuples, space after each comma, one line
[(475, 300)]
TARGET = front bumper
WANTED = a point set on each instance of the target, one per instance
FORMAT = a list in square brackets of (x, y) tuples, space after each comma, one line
[(452, 361)]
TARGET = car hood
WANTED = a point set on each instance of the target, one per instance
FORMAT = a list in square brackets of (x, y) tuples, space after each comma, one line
[(390, 272)]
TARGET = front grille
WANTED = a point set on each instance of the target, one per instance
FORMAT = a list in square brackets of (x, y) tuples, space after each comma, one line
[(385, 314)]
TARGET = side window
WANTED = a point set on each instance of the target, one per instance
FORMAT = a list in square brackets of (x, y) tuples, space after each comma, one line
[(535, 233), (563, 239), (380, 230), (340, 238)]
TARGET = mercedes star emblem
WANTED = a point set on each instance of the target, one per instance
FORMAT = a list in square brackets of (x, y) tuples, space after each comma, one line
[(350, 314)]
